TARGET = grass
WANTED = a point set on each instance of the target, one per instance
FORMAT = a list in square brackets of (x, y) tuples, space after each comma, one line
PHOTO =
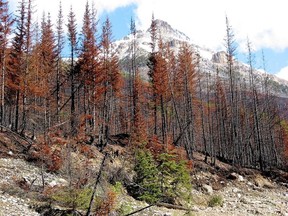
[(215, 200)]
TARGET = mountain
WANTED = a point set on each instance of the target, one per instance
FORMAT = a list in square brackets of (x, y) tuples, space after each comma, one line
[(211, 61)]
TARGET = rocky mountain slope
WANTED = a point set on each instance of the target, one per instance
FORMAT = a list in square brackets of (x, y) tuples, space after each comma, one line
[(210, 60), (219, 190), (242, 195)]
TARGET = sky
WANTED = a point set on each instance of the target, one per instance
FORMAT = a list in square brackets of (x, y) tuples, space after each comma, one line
[(262, 21)]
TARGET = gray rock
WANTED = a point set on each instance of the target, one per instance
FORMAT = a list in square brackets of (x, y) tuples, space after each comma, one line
[(58, 182), (249, 183), (195, 209), (207, 189), (236, 190), (240, 178), (244, 200), (219, 57)]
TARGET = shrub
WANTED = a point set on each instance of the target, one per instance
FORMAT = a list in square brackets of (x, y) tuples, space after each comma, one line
[(163, 179), (147, 186), (215, 200), (124, 209), (174, 178), (118, 188), (50, 155), (105, 205), (73, 198)]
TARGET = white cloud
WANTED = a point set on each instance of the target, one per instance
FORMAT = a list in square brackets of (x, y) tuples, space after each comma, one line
[(52, 6), (203, 21), (283, 73)]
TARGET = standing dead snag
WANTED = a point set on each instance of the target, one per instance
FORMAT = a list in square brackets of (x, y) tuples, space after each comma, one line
[(60, 40), (88, 213), (5, 29), (72, 38)]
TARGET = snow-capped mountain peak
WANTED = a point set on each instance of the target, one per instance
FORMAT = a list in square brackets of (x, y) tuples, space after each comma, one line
[(175, 38), (166, 32)]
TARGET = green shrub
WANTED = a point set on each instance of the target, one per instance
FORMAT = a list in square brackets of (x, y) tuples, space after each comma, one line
[(118, 188), (124, 209), (216, 200), (174, 178), (165, 179), (73, 198), (147, 182)]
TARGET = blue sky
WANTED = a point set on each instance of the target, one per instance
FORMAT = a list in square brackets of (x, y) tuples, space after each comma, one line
[(263, 21), (274, 60), (120, 19)]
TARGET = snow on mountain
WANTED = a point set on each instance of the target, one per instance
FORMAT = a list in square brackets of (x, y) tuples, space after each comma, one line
[(165, 31), (210, 60), (168, 33)]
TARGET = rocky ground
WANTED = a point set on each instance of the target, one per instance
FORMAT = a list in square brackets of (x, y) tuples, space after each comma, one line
[(242, 195), (244, 191), (17, 177), (242, 199), (14, 206), (241, 191)]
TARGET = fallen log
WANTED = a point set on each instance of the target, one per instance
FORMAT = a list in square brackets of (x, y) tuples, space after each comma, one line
[(171, 206)]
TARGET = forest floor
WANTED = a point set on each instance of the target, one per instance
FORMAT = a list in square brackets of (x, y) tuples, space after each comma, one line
[(242, 191)]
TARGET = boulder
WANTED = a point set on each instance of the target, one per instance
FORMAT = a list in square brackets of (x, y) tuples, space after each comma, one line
[(262, 182), (240, 178), (207, 189), (232, 176), (58, 182), (235, 176)]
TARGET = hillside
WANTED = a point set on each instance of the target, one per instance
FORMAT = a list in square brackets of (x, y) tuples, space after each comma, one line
[(235, 191)]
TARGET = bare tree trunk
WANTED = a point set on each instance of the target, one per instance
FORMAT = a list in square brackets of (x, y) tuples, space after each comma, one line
[(163, 120), (2, 96), (97, 180), (16, 120), (155, 114), (72, 109), (58, 92), (203, 128)]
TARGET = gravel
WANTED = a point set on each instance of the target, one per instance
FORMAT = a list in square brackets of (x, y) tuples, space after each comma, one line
[(240, 197)]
